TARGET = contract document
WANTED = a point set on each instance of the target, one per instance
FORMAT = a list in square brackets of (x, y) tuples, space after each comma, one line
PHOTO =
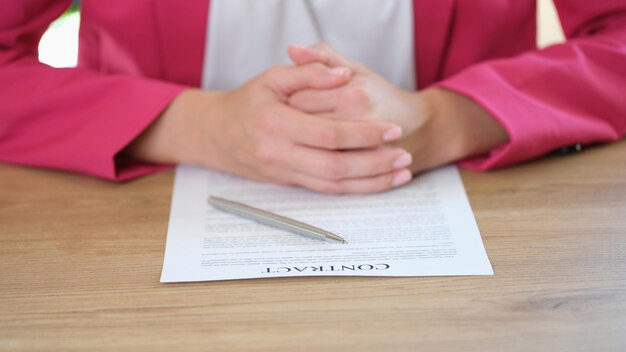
[(425, 228)]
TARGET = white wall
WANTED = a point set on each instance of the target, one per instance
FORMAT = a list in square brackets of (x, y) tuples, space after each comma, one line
[(549, 29)]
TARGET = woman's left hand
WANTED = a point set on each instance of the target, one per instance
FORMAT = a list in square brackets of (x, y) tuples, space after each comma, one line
[(439, 126)]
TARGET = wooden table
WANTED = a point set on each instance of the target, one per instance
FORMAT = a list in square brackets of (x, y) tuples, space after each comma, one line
[(80, 261)]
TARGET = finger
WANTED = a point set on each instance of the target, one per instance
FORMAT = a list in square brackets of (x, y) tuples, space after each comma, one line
[(315, 100), (309, 130), (364, 185), (333, 165), (320, 52), (345, 103), (286, 80), (301, 55)]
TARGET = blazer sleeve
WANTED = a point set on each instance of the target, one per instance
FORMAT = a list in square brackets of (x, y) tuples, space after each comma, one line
[(567, 94), (71, 119)]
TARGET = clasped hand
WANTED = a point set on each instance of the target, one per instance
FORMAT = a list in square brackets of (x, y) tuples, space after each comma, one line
[(326, 123)]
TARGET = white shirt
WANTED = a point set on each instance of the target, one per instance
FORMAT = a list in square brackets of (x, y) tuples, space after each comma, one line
[(246, 37)]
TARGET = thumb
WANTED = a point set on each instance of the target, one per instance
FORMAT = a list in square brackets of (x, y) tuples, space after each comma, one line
[(287, 80)]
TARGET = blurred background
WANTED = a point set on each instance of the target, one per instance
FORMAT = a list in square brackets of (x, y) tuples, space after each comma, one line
[(59, 45)]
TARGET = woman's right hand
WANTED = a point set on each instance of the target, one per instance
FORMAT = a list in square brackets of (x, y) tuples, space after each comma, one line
[(253, 132)]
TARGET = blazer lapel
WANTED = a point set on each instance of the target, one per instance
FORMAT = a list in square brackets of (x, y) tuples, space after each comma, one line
[(182, 27), (433, 23)]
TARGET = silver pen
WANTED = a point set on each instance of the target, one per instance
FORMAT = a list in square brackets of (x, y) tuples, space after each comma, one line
[(274, 220)]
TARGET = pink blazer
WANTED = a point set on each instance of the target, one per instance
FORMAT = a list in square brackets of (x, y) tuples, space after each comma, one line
[(136, 56)]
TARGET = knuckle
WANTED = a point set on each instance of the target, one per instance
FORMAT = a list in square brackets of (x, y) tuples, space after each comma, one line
[(272, 72), (355, 94), (331, 137), (297, 99), (268, 122), (264, 152), (333, 169), (267, 74)]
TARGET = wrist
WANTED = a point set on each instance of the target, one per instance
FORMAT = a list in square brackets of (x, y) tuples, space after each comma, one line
[(448, 127), (467, 128), (178, 134)]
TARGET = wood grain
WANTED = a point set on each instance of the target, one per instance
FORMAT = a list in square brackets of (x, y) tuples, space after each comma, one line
[(80, 261)]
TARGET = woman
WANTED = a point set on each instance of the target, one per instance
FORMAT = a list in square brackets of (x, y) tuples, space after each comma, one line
[(330, 122)]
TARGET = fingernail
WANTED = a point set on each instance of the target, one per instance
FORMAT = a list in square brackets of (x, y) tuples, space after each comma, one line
[(392, 134), (339, 71), (401, 178), (403, 160), (298, 46)]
